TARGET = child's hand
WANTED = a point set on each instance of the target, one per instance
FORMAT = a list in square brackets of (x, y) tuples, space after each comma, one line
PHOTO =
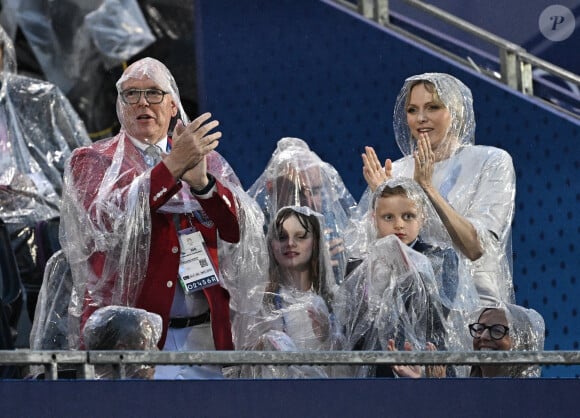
[(335, 247), (414, 372), (320, 324), (436, 370)]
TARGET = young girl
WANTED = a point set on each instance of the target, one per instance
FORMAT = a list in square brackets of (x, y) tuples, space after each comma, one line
[(297, 311), (296, 176)]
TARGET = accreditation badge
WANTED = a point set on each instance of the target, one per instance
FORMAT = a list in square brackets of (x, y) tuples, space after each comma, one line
[(196, 269)]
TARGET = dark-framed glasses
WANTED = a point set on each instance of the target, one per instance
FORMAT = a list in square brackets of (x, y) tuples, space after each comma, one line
[(496, 331), (153, 96)]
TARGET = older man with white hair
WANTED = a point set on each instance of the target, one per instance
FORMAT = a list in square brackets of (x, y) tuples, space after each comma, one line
[(143, 213)]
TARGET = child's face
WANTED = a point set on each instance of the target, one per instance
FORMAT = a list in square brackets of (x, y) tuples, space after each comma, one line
[(293, 248), (397, 215)]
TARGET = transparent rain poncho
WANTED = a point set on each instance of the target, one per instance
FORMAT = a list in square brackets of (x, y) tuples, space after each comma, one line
[(454, 281), (119, 30), (526, 333), (38, 131), (50, 325), (70, 39), (293, 319), (477, 181), (107, 218), (393, 294), (296, 176), (123, 328)]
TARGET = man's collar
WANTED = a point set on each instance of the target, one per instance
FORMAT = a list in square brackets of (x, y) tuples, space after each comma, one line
[(162, 143)]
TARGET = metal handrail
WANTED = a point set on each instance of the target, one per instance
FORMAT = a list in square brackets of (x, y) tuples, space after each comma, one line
[(515, 62), (338, 357), (85, 361), (548, 66)]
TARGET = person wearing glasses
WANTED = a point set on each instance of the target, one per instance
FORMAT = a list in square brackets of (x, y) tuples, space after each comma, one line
[(505, 327), (144, 214)]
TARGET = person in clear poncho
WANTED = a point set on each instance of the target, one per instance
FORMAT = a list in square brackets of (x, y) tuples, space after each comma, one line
[(145, 215), (391, 299), (38, 131), (504, 327), (123, 328), (400, 207), (507, 327), (296, 176), (297, 313), (80, 46), (471, 187), (50, 327)]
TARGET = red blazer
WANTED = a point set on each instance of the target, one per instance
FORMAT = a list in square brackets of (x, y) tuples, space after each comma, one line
[(88, 166)]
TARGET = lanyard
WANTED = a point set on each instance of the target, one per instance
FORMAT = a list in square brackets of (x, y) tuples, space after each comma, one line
[(278, 305)]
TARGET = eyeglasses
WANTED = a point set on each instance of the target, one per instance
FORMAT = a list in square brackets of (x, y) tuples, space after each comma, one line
[(153, 96), (496, 331)]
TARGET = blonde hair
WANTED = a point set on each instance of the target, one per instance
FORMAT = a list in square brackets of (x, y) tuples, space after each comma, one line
[(429, 86), (399, 190)]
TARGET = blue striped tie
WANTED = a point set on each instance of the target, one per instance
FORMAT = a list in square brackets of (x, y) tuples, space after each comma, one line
[(152, 155)]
